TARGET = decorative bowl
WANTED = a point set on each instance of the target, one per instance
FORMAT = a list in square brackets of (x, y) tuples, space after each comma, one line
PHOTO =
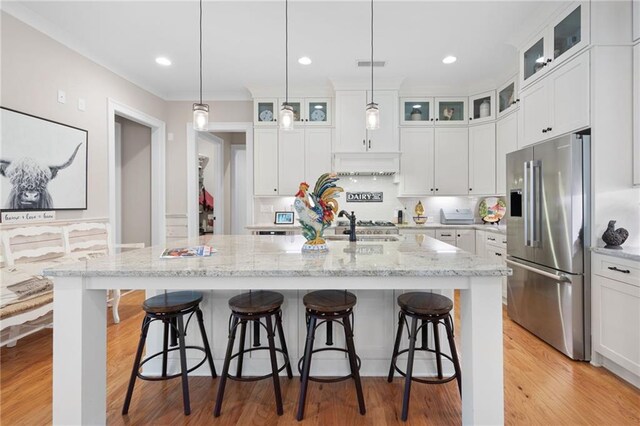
[(420, 220)]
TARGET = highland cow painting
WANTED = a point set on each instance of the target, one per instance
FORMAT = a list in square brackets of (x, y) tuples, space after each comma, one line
[(43, 164)]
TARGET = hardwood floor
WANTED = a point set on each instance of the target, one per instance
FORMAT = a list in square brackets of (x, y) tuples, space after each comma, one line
[(542, 387)]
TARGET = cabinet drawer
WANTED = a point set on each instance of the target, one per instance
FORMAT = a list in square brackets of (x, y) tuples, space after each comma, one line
[(617, 269), (497, 254), (497, 240), (446, 234)]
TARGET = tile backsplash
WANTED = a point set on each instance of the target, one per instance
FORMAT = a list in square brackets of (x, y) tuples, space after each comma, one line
[(265, 207)]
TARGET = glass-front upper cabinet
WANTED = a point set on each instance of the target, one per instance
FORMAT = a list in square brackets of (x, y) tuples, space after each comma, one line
[(297, 105), (482, 107), (567, 34), (508, 97), (265, 111), (317, 112), (451, 111), (416, 111)]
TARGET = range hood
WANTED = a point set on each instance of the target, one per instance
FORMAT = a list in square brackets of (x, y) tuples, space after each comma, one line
[(366, 164)]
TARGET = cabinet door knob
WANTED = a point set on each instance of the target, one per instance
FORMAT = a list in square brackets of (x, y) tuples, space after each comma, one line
[(274, 189), (369, 143), (544, 130), (437, 119), (436, 189), (517, 100), (549, 129), (432, 119), (470, 189), (549, 60), (470, 118), (364, 142), (431, 190)]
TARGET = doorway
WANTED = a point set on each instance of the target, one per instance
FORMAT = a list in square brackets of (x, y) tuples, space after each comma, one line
[(133, 167), (234, 203), (210, 184), (156, 175)]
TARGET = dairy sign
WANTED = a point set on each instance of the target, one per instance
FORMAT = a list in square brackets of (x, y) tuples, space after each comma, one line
[(28, 217), (364, 197)]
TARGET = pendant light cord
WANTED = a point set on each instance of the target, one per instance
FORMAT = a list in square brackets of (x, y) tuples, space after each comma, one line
[(286, 50), (372, 51), (201, 52)]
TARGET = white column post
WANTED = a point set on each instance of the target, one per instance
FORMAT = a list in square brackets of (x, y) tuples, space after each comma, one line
[(482, 365), (79, 353)]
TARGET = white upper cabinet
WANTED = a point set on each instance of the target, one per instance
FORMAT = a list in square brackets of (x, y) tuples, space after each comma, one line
[(506, 142), (482, 107), (351, 132), (317, 153), (557, 104), (451, 161), (291, 161), (563, 37), (451, 111), (534, 114), (508, 99), (416, 111), (416, 161), (265, 111), (482, 159), (317, 112), (265, 161)]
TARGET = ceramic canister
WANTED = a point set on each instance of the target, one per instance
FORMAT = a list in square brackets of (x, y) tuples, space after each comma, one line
[(485, 109)]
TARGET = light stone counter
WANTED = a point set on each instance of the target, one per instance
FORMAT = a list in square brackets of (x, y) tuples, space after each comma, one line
[(377, 272), (499, 229), (280, 256), (631, 253)]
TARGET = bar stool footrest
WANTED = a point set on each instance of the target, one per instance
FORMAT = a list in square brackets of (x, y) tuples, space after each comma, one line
[(256, 378), (173, 376), (416, 379), (333, 380)]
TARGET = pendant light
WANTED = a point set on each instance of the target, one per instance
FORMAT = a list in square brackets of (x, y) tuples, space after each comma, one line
[(200, 110), (372, 113), (286, 112)]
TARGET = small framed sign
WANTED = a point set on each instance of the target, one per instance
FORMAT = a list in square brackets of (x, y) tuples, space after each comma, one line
[(284, 218)]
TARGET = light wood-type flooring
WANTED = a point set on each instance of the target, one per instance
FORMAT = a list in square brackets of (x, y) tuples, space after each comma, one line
[(542, 387)]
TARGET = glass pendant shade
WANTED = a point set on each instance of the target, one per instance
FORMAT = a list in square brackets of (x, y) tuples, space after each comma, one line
[(286, 117), (372, 116), (200, 117)]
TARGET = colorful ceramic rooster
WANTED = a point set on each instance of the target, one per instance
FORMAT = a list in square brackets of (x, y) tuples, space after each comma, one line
[(316, 209)]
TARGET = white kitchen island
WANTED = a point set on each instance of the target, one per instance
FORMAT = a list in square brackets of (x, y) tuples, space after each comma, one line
[(375, 270)]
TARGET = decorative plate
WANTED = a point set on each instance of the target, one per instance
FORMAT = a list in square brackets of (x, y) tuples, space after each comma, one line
[(318, 115), (266, 115), (492, 209)]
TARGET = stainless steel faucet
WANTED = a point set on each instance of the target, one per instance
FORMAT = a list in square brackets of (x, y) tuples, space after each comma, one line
[(352, 223)]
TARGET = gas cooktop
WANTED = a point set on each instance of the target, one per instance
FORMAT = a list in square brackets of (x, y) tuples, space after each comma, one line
[(367, 223)]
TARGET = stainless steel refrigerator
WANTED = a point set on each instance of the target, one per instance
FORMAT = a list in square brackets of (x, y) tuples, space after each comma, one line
[(548, 237)]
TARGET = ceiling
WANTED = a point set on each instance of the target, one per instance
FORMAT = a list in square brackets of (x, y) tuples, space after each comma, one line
[(244, 42)]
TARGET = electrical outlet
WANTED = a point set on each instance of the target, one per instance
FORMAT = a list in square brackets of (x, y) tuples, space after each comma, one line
[(169, 136), (82, 104), (62, 96)]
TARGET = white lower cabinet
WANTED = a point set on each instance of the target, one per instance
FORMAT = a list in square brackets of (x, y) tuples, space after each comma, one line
[(636, 103), (451, 161), (482, 159), (506, 142), (466, 240), (615, 312)]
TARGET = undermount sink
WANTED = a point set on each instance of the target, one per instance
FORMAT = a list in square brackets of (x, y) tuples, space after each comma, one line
[(376, 238)]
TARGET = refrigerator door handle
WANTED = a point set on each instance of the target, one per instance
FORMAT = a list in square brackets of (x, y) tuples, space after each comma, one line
[(536, 214), (558, 277), (526, 190)]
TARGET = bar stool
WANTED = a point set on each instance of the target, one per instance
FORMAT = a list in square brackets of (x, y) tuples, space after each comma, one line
[(429, 308), (327, 307), (170, 308), (254, 306)]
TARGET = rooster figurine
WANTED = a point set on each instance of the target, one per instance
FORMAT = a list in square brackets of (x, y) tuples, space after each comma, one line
[(614, 237), (316, 210)]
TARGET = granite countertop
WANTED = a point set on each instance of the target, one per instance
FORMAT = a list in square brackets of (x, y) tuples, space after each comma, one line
[(280, 256), (500, 229), (631, 253)]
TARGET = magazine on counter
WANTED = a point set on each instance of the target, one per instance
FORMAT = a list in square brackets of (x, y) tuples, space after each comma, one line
[(195, 251)]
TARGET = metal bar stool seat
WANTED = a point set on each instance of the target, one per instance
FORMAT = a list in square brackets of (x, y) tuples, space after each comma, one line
[(253, 307), (429, 308), (327, 307), (170, 308)]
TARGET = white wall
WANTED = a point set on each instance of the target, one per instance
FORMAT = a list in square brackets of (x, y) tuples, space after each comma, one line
[(136, 178), (34, 67)]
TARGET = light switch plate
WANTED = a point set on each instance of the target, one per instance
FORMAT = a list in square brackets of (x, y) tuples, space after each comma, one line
[(62, 96), (169, 136), (82, 104)]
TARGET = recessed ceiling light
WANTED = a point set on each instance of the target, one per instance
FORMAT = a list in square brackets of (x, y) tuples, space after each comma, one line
[(161, 60), (305, 60), (449, 60)]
